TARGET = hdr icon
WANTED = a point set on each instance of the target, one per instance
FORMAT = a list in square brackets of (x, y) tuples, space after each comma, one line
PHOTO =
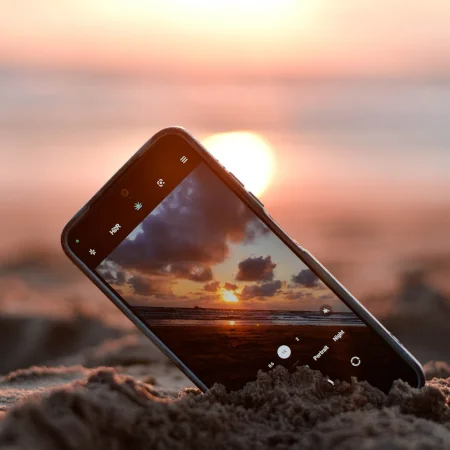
[(114, 229)]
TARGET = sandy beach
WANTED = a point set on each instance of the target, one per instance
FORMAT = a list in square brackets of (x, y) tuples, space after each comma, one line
[(102, 409)]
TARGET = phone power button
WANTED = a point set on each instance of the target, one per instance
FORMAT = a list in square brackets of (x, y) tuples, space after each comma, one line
[(237, 179)]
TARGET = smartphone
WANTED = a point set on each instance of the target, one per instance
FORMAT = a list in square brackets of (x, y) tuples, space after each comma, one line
[(196, 262)]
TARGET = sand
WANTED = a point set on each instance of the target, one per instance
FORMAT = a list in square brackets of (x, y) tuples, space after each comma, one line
[(106, 410)]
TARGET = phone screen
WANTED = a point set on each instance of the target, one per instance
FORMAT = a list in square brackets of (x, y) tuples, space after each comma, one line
[(229, 298)]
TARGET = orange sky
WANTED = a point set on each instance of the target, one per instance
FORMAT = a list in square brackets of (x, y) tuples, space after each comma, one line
[(273, 37)]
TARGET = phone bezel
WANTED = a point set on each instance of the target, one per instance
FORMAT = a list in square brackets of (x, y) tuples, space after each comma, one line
[(258, 208)]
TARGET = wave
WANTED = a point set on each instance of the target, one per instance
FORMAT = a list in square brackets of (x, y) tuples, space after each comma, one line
[(194, 316)]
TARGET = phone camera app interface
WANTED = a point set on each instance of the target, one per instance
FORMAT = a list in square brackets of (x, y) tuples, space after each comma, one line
[(228, 297)]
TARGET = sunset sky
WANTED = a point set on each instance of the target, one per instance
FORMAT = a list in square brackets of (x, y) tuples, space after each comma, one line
[(351, 98), (202, 246), (254, 37)]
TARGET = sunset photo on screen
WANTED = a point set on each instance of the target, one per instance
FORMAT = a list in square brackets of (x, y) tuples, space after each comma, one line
[(210, 278)]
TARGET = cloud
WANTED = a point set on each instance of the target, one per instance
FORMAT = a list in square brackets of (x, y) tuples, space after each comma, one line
[(256, 269), (190, 231), (141, 285), (230, 286), (112, 275), (261, 290), (306, 298), (330, 298), (212, 287), (191, 272), (306, 278), (294, 295)]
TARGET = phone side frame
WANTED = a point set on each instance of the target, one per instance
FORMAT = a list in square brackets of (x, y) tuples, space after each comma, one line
[(324, 274), (258, 209)]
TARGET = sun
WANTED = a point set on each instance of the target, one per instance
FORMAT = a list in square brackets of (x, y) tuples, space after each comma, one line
[(247, 155), (229, 296)]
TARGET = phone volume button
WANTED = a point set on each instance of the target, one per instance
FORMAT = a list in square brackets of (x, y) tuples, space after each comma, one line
[(396, 339), (260, 203), (303, 249)]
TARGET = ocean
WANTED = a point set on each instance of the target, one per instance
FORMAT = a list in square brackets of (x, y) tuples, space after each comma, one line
[(202, 317)]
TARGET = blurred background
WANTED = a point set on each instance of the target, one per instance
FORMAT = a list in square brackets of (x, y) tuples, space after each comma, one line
[(346, 112)]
